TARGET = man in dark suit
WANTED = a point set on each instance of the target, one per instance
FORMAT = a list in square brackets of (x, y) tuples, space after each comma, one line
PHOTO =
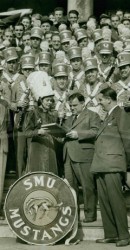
[(78, 152), (109, 167)]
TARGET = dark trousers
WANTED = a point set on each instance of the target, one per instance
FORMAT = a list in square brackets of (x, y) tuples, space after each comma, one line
[(23, 144), (11, 157), (80, 172), (112, 205)]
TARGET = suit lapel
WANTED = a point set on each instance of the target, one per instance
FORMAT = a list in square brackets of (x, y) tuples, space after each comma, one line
[(79, 119), (103, 126), (107, 120)]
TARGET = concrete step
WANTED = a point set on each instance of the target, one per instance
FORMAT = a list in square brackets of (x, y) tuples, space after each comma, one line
[(9, 180), (94, 230), (86, 231), (5, 230)]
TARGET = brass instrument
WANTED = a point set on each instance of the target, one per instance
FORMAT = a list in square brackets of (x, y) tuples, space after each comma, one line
[(21, 110)]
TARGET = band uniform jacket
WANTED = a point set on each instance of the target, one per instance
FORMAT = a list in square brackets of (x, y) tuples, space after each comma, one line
[(109, 153), (123, 91), (4, 115), (91, 97), (4, 102), (87, 125)]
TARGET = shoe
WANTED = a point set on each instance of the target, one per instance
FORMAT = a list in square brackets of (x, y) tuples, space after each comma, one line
[(2, 217), (107, 240), (87, 220), (123, 243), (12, 172)]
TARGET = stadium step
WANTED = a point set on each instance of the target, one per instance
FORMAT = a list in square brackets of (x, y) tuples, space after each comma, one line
[(86, 231), (94, 230)]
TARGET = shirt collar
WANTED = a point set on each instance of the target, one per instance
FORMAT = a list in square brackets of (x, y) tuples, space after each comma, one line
[(110, 111)]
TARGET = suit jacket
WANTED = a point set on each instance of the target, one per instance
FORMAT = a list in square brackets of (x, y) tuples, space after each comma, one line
[(87, 126), (109, 153), (125, 130), (114, 36)]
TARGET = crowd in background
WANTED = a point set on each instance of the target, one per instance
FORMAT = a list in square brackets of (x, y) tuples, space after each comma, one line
[(52, 68)]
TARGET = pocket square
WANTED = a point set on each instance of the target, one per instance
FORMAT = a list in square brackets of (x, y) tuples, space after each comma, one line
[(110, 123)]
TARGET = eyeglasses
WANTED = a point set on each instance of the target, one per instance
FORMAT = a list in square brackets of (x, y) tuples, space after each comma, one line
[(28, 69), (12, 62), (35, 38), (19, 30)]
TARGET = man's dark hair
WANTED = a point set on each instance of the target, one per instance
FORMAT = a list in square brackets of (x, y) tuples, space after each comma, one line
[(49, 32), (105, 25), (92, 16), (51, 13), (19, 24), (125, 19), (26, 16), (59, 9), (109, 93), (27, 33), (55, 34), (126, 12), (37, 16), (114, 15), (74, 12), (77, 95), (119, 10)]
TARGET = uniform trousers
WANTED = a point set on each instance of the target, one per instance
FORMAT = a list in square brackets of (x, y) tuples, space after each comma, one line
[(112, 205), (23, 144), (3, 161)]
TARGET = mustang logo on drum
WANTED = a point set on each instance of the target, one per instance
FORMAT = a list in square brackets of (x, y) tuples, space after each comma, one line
[(44, 210), (39, 207)]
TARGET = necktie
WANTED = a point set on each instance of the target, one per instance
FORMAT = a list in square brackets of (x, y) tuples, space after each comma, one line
[(74, 119)]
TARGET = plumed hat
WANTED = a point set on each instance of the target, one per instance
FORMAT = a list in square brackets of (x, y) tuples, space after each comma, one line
[(39, 84)]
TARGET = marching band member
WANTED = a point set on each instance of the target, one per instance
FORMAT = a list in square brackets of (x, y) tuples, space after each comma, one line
[(92, 87), (36, 38), (42, 155), (13, 77), (60, 71), (81, 37), (45, 62), (65, 36), (25, 101), (77, 74), (106, 66), (97, 35), (5, 99), (122, 87)]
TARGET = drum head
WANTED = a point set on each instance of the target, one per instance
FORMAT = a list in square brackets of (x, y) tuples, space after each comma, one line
[(40, 208), (128, 179)]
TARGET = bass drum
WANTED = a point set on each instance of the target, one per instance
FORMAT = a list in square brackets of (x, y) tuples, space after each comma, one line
[(128, 180), (40, 208)]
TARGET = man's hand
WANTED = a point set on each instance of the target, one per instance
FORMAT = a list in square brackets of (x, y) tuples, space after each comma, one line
[(126, 103), (22, 104), (72, 134), (18, 49), (43, 131)]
